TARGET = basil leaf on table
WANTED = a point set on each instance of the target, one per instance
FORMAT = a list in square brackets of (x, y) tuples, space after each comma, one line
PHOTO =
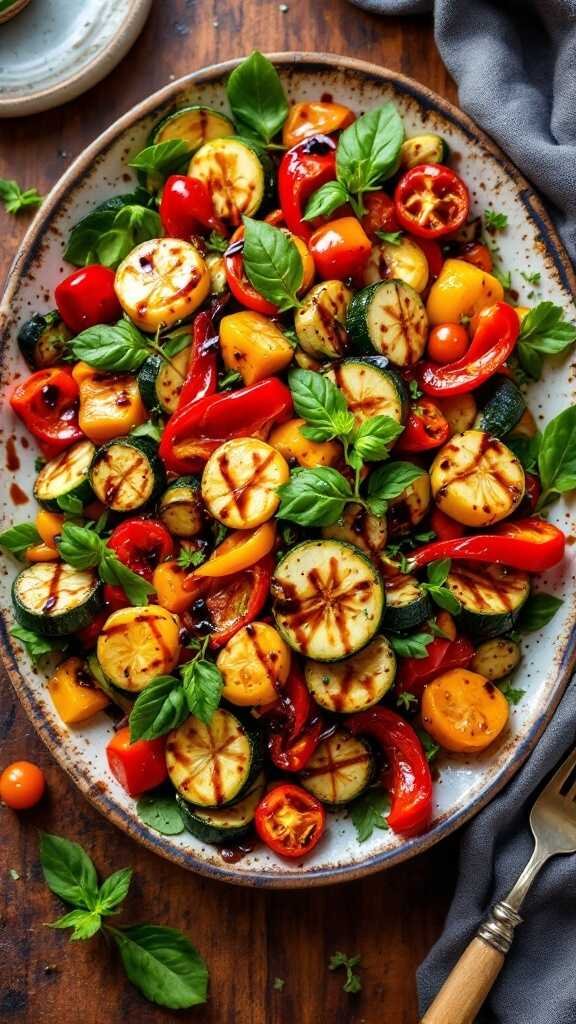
[(256, 96), (544, 331), (538, 611), (314, 497), (160, 708), (272, 263), (15, 199), (203, 685), (17, 539), (557, 456), (68, 871), (116, 348), (321, 404), (85, 923), (162, 964), (37, 646), (114, 891), (160, 813), (327, 199)]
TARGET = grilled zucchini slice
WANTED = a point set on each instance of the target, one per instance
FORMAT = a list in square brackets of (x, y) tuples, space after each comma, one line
[(138, 644), (361, 528), (476, 479), (194, 125), (240, 482), (160, 380), (328, 599), (496, 659), (209, 765), (390, 317), (226, 824), (162, 281), (355, 684), (181, 509), (371, 388), (503, 410), (340, 769), (43, 340), (126, 473), (410, 507), (423, 149), (320, 322), (404, 261), (234, 176), (407, 604), (66, 475), (54, 599), (491, 597)]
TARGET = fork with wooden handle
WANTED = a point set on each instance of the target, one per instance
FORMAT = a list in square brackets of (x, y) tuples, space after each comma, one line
[(553, 824)]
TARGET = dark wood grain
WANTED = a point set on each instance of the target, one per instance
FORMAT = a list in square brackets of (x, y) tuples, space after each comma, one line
[(248, 938)]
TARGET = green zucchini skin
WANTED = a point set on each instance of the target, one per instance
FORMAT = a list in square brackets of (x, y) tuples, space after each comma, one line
[(503, 409), (336, 786), (371, 387), (160, 383), (38, 584), (407, 604), (484, 612), (390, 318), (66, 475), (43, 340), (181, 507), (104, 461), (226, 824)]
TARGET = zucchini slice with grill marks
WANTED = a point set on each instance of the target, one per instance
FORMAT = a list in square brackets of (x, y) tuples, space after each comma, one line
[(328, 599), (43, 340), (390, 317), (423, 149), (320, 322), (361, 528), (404, 261), (234, 176), (210, 765), (371, 388), (503, 410), (160, 380), (407, 604), (161, 281), (356, 683), (137, 644), (496, 659), (491, 597), (54, 599), (127, 474), (194, 125), (181, 509), (340, 769), (65, 475), (227, 823), (240, 482), (410, 507), (476, 479)]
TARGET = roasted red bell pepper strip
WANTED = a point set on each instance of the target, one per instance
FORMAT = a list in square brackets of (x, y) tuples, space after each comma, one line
[(491, 346), (194, 432), (294, 705), (292, 755), (47, 404), (186, 208), (202, 377), (426, 428), (531, 544), (444, 526), (303, 169), (87, 297), (137, 766), (442, 655), (408, 769)]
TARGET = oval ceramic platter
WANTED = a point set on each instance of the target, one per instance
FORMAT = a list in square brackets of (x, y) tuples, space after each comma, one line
[(464, 785)]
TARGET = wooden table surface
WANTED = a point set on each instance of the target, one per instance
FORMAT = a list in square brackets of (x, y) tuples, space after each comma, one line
[(248, 938)]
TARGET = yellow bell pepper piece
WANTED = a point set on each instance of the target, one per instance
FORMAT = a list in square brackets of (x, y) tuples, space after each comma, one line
[(49, 526), (42, 553), (521, 312), (109, 406), (254, 346), (239, 550), (83, 371), (461, 290), (168, 581), (74, 694), (291, 443)]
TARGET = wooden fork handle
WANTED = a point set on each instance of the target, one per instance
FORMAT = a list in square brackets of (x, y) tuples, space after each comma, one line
[(467, 985)]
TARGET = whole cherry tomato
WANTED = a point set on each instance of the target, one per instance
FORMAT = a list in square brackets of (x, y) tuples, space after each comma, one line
[(22, 785), (87, 297), (380, 214), (426, 427), (431, 201), (340, 248), (290, 820), (186, 208), (447, 343)]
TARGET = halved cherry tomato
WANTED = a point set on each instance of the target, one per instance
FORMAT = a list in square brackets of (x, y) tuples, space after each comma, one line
[(303, 169), (293, 755), (444, 526), (290, 821), (426, 428), (441, 655), (87, 297), (478, 255), (340, 248), (431, 201), (306, 119), (47, 404), (141, 544), (226, 605), (493, 342), (22, 785), (447, 343), (186, 208), (137, 766), (380, 214)]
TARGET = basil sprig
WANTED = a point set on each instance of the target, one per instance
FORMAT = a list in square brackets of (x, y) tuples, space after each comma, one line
[(544, 331), (118, 348), (437, 573), (107, 235), (368, 152), (17, 539), (155, 163), (160, 962), (82, 548), (256, 97), (272, 263), (16, 199), (557, 456)]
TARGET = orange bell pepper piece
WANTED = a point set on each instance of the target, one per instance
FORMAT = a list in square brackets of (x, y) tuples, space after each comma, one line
[(74, 693), (238, 551)]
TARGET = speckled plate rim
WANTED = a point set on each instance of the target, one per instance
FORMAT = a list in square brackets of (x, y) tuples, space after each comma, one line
[(8, 657), (103, 62)]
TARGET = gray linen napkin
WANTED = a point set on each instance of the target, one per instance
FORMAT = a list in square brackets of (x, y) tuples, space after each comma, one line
[(515, 65)]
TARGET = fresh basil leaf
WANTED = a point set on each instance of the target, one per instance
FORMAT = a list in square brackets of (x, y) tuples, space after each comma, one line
[(17, 539), (375, 436), (15, 199), (369, 812), (163, 965), (158, 709), (406, 700), (368, 150), (117, 348), (512, 694), (392, 238), (68, 871), (531, 361), (84, 922), (321, 404), (414, 646), (545, 329), (256, 96), (164, 158), (272, 263), (203, 684), (557, 455), (217, 243), (160, 813), (80, 547), (431, 749), (114, 891), (314, 497), (327, 199), (82, 247), (37, 646), (131, 226), (537, 612), (148, 429), (444, 598), (70, 504), (494, 220), (526, 450), (388, 482), (437, 572), (113, 571)]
